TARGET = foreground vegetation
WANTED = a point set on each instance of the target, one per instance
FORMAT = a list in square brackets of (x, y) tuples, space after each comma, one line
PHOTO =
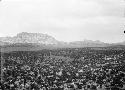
[(61, 69)]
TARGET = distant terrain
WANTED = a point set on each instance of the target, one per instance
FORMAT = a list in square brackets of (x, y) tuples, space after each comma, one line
[(37, 41)]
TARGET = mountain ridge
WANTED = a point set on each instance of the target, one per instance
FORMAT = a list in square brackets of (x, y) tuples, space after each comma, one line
[(44, 41), (25, 37)]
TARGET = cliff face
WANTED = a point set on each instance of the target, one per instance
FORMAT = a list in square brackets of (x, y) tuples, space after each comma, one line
[(30, 38)]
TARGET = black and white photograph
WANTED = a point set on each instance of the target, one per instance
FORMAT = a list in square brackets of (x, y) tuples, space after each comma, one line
[(62, 44)]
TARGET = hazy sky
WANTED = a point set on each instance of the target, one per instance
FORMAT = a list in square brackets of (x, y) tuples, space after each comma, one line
[(66, 20)]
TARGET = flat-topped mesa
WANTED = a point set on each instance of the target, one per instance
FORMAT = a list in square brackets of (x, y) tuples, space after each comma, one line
[(23, 34), (25, 37)]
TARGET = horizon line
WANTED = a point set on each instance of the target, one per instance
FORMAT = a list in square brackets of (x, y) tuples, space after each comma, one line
[(62, 40)]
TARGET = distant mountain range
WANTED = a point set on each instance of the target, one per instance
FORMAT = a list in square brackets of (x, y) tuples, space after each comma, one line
[(38, 41)]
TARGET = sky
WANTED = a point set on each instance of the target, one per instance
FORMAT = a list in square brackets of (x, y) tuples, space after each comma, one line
[(65, 20)]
